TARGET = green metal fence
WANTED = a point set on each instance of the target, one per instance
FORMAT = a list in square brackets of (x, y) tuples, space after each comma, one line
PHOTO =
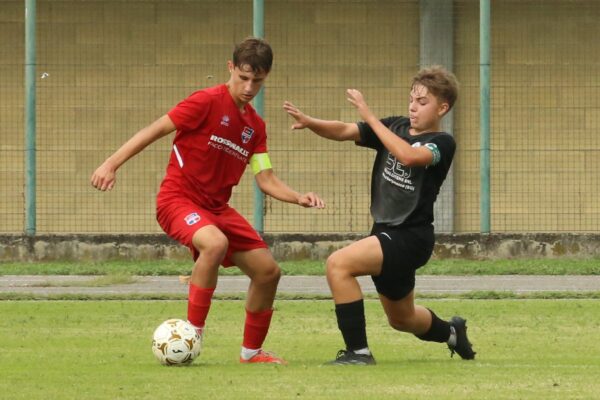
[(103, 70)]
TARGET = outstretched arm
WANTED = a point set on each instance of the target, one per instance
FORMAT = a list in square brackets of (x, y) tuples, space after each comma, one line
[(334, 130), (404, 152), (104, 177), (270, 184)]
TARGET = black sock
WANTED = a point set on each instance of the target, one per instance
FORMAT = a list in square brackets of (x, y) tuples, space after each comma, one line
[(351, 321), (438, 332)]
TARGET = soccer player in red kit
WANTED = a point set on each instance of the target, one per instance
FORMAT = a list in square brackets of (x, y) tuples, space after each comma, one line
[(218, 134)]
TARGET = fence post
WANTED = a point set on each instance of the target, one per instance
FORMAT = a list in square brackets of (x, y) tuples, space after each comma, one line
[(259, 101), (484, 114), (30, 118), (437, 47)]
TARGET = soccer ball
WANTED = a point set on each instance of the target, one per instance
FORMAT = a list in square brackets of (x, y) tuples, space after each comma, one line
[(176, 342)]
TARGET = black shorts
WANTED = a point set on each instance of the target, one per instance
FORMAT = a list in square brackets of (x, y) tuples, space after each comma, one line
[(405, 249)]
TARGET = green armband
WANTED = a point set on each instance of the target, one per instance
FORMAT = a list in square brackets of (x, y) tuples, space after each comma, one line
[(435, 152), (260, 162)]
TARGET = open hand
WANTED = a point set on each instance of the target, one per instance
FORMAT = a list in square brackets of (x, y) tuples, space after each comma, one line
[(301, 118), (357, 100)]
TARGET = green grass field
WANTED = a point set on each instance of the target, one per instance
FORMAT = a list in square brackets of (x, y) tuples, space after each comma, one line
[(527, 349), (310, 267)]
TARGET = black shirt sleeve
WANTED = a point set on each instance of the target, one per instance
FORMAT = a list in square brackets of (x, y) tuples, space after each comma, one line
[(447, 146), (368, 138)]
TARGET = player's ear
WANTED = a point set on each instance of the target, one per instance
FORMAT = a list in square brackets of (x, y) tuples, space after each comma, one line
[(443, 109), (230, 66)]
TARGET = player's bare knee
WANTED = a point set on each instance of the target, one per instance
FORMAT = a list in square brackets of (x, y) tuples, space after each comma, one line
[(268, 275), (216, 251), (213, 248), (334, 266), (274, 274)]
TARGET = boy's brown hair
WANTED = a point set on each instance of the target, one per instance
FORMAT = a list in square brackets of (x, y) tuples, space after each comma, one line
[(440, 82), (254, 52)]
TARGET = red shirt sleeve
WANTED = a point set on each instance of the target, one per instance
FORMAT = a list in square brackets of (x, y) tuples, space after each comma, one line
[(191, 112), (261, 144)]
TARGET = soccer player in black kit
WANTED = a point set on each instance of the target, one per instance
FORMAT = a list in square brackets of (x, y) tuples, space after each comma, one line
[(413, 159)]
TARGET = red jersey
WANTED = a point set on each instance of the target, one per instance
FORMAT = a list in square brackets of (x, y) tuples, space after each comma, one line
[(212, 146)]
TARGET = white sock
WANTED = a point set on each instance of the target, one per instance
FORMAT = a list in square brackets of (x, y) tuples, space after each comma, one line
[(199, 329), (364, 351), (248, 353), (452, 339)]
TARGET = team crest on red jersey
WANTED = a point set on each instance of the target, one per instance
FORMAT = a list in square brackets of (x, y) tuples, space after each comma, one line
[(247, 134)]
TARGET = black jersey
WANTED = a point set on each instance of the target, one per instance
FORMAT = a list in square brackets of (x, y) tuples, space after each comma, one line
[(402, 195)]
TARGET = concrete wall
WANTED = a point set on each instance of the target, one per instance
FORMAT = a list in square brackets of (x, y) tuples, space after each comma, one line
[(96, 248)]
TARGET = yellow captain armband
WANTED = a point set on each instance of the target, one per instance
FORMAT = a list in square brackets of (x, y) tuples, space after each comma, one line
[(260, 162)]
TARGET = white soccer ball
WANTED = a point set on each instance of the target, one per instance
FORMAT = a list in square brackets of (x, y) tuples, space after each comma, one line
[(176, 342)]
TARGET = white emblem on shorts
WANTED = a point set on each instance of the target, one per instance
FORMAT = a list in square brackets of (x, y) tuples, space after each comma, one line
[(192, 218), (386, 235)]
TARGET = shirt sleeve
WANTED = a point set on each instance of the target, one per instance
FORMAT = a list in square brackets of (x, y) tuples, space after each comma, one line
[(261, 144), (445, 147), (368, 138), (191, 112)]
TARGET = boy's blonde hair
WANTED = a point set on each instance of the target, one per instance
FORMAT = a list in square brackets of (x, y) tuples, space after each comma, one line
[(440, 82)]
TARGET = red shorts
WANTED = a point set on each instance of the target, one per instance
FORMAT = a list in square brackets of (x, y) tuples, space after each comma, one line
[(181, 219)]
